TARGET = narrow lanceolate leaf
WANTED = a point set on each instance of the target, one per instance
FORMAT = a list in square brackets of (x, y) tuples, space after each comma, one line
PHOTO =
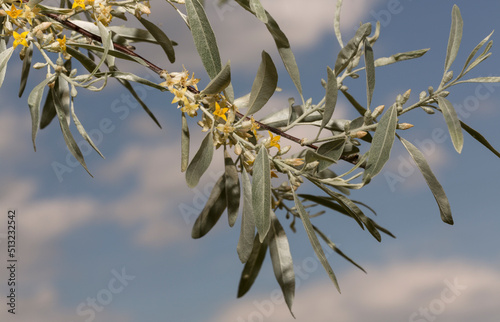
[(370, 73), (107, 46), (383, 61), (34, 100), (252, 266), (4, 59), (219, 82), (264, 84), (481, 139), (82, 131), (261, 193), (304, 216), (245, 243), (184, 143), (336, 249), (474, 52), (63, 116), (383, 140), (204, 37), (201, 161), (332, 150), (347, 53), (212, 211), (282, 261), (336, 23), (432, 182), (48, 111), (490, 79), (232, 188), (453, 123), (361, 110), (455, 39), (26, 69), (330, 98), (282, 44), (258, 10), (160, 36)]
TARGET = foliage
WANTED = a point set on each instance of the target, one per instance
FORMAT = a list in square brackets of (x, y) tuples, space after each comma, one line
[(82, 33)]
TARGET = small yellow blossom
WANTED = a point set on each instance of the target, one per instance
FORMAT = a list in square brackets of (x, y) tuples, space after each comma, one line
[(14, 12), (62, 43), (255, 126), (29, 13), (79, 3), (105, 14), (274, 141), (226, 129), (220, 112), (190, 108), (179, 95), (20, 39)]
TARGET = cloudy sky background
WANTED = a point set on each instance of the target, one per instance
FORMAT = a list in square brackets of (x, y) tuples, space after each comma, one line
[(76, 233)]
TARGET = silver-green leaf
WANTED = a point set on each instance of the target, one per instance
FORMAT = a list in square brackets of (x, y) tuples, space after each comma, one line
[(264, 84), (204, 37), (26, 69), (261, 192), (219, 82), (330, 98), (347, 53), (161, 37), (184, 143), (370, 73), (4, 59), (232, 188), (201, 161), (34, 100), (455, 38), (252, 266), (245, 242), (383, 140), (432, 182), (453, 123), (282, 261), (212, 211)]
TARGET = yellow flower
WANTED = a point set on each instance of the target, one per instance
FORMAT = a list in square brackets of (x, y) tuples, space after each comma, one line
[(14, 12), (20, 39), (29, 13), (254, 126), (79, 3), (190, 108), (179, 95), (220, 112), (62, 43), (274, 141), (105, 14)]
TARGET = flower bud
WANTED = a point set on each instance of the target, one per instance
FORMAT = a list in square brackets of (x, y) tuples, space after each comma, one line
[(448, 77), (405, 126), (377, 111)]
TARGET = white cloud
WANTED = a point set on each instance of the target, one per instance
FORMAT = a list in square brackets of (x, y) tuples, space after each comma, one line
[(450, 290)]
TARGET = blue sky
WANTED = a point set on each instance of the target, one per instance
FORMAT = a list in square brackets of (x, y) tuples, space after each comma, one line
[(133, 219)]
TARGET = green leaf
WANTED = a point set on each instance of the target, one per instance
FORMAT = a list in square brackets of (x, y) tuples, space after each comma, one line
[(332, 150), (204, 37), (383, 140), (245, 242), (34, 100), (107, 46), (184, 143), (282, 261), (336, 249), (86, 62), (330, 98), (201, 161), (63, 116), (161, 37), (370, 73), (114, 53), (212, 211), (453, 123), (336, 23), (384, 61), (304, 216), (432, 182), (82, 131), (4, 59), (132, 78), (474, 52), (219, 82), (490, 79), (476, 135), (347, 53), (361, 110), (455, 39), (26, 69), (261, 192), (264, 84), (258, 10), (252, 266), (49, 110), (232, 188)]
